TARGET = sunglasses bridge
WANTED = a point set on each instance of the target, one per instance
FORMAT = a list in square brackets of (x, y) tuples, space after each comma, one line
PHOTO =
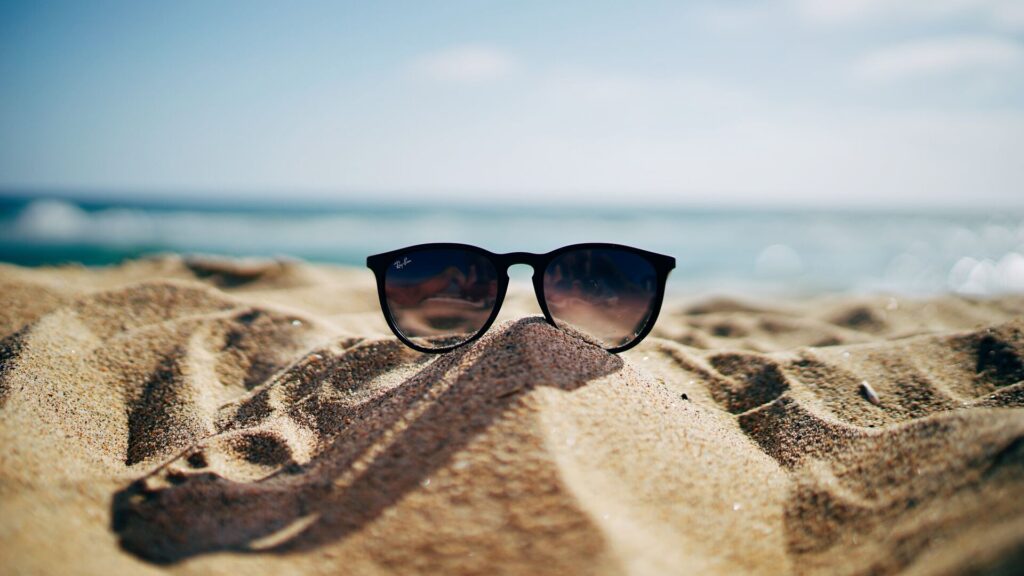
[(534, 261)]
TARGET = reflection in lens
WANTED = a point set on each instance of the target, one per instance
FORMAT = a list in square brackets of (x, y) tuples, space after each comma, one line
[(605, 293), (440, 297)]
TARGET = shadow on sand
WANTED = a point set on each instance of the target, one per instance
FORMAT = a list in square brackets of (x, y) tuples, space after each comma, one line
[(371, 452)]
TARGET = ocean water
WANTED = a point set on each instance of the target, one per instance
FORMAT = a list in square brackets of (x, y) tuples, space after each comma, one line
[(772, 252)]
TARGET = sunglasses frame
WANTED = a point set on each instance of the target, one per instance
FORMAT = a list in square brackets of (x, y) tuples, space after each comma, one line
[(379, 264)]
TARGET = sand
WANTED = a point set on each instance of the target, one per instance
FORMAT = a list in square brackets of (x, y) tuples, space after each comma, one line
[(210, 417)]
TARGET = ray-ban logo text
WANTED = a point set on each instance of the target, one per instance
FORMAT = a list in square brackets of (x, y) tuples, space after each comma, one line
[(399, 264)]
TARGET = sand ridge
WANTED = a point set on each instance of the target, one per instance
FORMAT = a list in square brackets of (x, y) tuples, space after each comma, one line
[(202, 415)]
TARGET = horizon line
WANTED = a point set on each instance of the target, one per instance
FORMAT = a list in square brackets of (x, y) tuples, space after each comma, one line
[(455, 199)]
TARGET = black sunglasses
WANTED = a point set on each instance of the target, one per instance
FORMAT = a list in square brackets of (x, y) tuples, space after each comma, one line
[(437, 297)]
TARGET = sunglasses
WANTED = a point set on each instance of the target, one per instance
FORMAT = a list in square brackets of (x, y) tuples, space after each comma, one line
[(437, 297)]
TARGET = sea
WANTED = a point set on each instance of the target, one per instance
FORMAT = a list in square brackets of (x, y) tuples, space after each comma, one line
[(774, 252)]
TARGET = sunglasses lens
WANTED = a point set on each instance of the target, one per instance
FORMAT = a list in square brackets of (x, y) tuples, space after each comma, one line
[(605, 293), (440, 297)]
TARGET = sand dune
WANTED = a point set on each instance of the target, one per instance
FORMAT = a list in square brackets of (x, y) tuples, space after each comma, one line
[(203, 416)]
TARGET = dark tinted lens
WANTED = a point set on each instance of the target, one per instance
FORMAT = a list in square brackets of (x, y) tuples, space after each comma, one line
[(605, 293), (440, 298)]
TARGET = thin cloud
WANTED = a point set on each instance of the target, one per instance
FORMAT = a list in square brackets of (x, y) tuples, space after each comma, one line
[(729, 18), (469, 64), (1005, 14), (940, 57), (843, 11), (1009, 15)]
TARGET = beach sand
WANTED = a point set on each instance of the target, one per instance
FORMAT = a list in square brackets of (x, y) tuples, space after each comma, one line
[(217, 417)]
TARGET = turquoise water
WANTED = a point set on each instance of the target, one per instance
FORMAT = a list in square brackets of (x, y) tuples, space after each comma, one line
[(731, 251)]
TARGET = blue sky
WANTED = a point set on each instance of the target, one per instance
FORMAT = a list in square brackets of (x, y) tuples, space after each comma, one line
[(845, 102)]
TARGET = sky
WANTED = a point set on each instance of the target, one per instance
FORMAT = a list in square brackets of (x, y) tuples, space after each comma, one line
[(823, 103)]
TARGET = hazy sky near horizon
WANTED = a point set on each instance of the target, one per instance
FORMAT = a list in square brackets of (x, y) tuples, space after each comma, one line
[(838, 102)]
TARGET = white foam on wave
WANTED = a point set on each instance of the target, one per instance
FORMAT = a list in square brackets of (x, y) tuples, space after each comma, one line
[(778, 261), (51, 220), (982, 277)]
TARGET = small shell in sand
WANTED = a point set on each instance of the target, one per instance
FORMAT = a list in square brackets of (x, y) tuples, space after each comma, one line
[(868, 392)]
